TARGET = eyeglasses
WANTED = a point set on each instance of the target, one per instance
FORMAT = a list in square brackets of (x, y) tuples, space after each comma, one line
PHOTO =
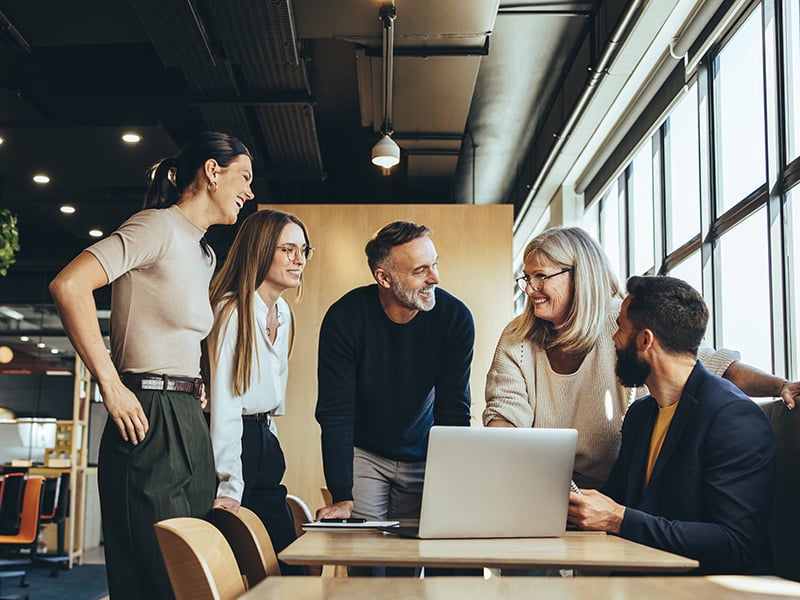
[(291, 251), (537, 281)]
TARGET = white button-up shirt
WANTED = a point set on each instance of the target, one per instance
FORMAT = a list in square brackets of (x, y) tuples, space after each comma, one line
[(267, 391)]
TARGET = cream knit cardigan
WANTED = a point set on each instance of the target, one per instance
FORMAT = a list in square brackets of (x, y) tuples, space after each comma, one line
[(523, 389)]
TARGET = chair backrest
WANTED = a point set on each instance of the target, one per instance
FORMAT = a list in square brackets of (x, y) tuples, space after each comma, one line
[(200, 563), (785, 518), (250, 542), (301, 514), (29, 517), (11, 503), (50, 497)]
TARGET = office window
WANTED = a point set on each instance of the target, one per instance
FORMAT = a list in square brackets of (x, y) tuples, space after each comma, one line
[(611, 211), (690, 270), (591, 220), (683, 171), (744, 309), (739, 114), (640, 198), (792, 74), (793, 272)]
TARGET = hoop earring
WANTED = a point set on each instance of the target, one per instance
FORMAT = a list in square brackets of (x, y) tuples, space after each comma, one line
[(212, 187)]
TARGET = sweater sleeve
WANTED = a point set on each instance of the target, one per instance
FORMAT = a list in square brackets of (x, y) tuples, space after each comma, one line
[(335, 412), (717, 361), (506, 384), (453, 398)]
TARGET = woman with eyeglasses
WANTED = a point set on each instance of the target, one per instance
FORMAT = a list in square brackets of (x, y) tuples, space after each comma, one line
[(554, 365), (248, 353)]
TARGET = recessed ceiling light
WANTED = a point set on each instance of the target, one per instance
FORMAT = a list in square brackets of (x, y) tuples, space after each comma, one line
[(24, 338), (131, 138), (1, 141), (53, 350), (41, 345), (67, 209), (95, 233), (39, 178)]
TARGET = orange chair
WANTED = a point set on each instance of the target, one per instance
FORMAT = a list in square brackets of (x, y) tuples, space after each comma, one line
[(28, 532), (29, 517)]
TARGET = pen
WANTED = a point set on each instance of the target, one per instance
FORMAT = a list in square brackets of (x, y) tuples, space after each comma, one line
[(573, 486), (348, 520)]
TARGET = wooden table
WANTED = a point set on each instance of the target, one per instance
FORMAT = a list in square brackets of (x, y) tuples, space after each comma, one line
[(587, 551), (503, 588)]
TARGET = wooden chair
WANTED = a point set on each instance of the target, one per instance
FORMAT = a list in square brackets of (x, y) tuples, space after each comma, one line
[(250, 542), (785, 520), (200, 563), (301, 514)]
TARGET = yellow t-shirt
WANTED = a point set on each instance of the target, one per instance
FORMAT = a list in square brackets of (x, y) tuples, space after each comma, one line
[(657, 437)]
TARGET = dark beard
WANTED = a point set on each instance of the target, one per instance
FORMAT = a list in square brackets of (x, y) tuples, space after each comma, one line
[(631, 370)]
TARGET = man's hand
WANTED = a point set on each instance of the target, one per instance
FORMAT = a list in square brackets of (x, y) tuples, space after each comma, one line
[(227, 503), (593, 511), (337, 510), (789, 391), (126, 411)]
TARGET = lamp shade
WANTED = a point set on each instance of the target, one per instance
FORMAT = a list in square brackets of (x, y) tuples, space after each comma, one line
[(385, 153)]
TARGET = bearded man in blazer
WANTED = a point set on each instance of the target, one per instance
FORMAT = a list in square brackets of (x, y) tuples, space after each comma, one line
[(696, 470)]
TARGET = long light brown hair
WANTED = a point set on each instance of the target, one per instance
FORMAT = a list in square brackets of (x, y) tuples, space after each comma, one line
[(593, 287), (245, 268)]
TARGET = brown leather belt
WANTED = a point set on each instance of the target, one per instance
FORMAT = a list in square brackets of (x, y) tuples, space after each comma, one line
[(156, 382)]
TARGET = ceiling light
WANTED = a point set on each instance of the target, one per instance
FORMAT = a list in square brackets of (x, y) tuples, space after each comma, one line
[(96, 233), (41, 345), (6, 355), (1, 141), (386, 153), (67, 209), (24, 338), (131, 138), (53, 350), (40, 178)]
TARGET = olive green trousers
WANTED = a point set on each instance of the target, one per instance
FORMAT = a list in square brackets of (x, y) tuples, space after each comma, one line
[(169, 474)]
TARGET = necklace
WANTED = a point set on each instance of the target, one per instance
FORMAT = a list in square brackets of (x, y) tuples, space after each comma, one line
[(278, 321)]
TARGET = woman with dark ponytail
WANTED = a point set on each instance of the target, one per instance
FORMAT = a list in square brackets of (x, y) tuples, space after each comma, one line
[(155, 458)]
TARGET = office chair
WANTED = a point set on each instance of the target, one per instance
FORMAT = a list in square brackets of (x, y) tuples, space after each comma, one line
[(250, 542), (27, 535), (200, 563)]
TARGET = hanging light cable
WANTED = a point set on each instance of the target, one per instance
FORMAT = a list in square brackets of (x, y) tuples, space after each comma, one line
[(386, 153)]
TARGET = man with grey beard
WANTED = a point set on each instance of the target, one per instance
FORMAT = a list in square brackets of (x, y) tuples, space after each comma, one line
[(394, 360)]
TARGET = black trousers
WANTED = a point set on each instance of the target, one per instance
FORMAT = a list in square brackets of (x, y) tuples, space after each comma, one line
[(263, 466), (169, 474)]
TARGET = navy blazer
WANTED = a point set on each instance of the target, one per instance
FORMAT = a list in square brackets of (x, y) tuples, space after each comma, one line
[(711, 489)]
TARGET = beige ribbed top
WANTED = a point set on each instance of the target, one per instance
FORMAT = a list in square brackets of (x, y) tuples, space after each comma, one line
[(160, 311)]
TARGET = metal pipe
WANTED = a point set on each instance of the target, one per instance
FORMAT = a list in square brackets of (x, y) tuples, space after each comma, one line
[(597, 74), (387, 13)]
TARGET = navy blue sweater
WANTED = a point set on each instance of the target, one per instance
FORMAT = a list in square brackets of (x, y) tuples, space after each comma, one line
[(382, 385)]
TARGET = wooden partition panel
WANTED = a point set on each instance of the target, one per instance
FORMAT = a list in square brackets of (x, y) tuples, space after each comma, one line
[(474, 244)]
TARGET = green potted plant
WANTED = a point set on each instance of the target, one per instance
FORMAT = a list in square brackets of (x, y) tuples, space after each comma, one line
[(9, 239)]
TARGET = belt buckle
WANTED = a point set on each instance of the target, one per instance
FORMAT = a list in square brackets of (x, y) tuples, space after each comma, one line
[(197, 389), (151, 384)]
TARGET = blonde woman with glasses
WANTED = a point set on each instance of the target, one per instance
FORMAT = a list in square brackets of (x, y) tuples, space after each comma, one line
[(554, 365), (248, 351)]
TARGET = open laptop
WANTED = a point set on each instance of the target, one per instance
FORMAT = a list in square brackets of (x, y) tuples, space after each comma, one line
[(495, 482)]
